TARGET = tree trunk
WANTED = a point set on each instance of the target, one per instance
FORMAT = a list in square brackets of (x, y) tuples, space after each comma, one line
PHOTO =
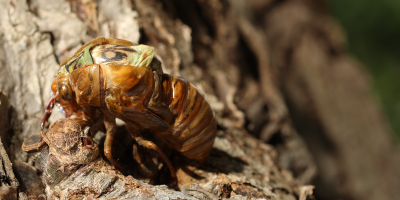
[(269, 69)]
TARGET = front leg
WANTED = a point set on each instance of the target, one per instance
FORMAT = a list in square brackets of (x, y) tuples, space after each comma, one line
[(111, 126), (48, 110)]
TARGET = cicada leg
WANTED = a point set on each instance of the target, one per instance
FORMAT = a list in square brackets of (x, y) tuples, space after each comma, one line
[(111, 126), (150, 145), (87, 138), (48, 110)]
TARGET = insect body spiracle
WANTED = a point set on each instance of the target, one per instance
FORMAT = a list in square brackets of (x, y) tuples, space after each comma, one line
[(118, 79)]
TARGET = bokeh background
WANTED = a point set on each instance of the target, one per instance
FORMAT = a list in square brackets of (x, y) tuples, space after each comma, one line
[(373, 31)]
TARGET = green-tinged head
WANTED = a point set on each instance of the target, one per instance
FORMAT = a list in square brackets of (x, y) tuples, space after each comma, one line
[(82, 59), (143, 57)]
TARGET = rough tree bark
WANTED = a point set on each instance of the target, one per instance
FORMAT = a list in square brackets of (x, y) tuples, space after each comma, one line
[(273, 69)]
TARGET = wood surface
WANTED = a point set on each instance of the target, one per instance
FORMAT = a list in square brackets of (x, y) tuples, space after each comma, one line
[(293, 108)]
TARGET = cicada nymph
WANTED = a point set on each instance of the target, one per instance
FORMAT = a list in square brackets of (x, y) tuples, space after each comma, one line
[(114, 78)]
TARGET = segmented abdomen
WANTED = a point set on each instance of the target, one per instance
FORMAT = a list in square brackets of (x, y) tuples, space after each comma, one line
[(194, 128)]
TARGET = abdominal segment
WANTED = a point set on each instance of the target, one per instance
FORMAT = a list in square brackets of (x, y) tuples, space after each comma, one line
[(194, 128)]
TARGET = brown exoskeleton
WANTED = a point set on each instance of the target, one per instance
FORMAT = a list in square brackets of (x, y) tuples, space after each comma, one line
[(118, 79)]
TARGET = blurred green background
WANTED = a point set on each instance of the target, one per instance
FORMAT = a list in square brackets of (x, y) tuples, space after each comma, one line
[(373, 34)]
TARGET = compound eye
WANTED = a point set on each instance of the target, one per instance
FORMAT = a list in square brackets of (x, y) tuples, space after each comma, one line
[(64, 93)]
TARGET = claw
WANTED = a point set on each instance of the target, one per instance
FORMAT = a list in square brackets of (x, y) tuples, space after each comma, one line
[(87, 138), (48, 110)]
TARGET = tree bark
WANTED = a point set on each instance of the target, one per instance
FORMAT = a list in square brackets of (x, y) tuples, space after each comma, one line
[(272, 70)]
